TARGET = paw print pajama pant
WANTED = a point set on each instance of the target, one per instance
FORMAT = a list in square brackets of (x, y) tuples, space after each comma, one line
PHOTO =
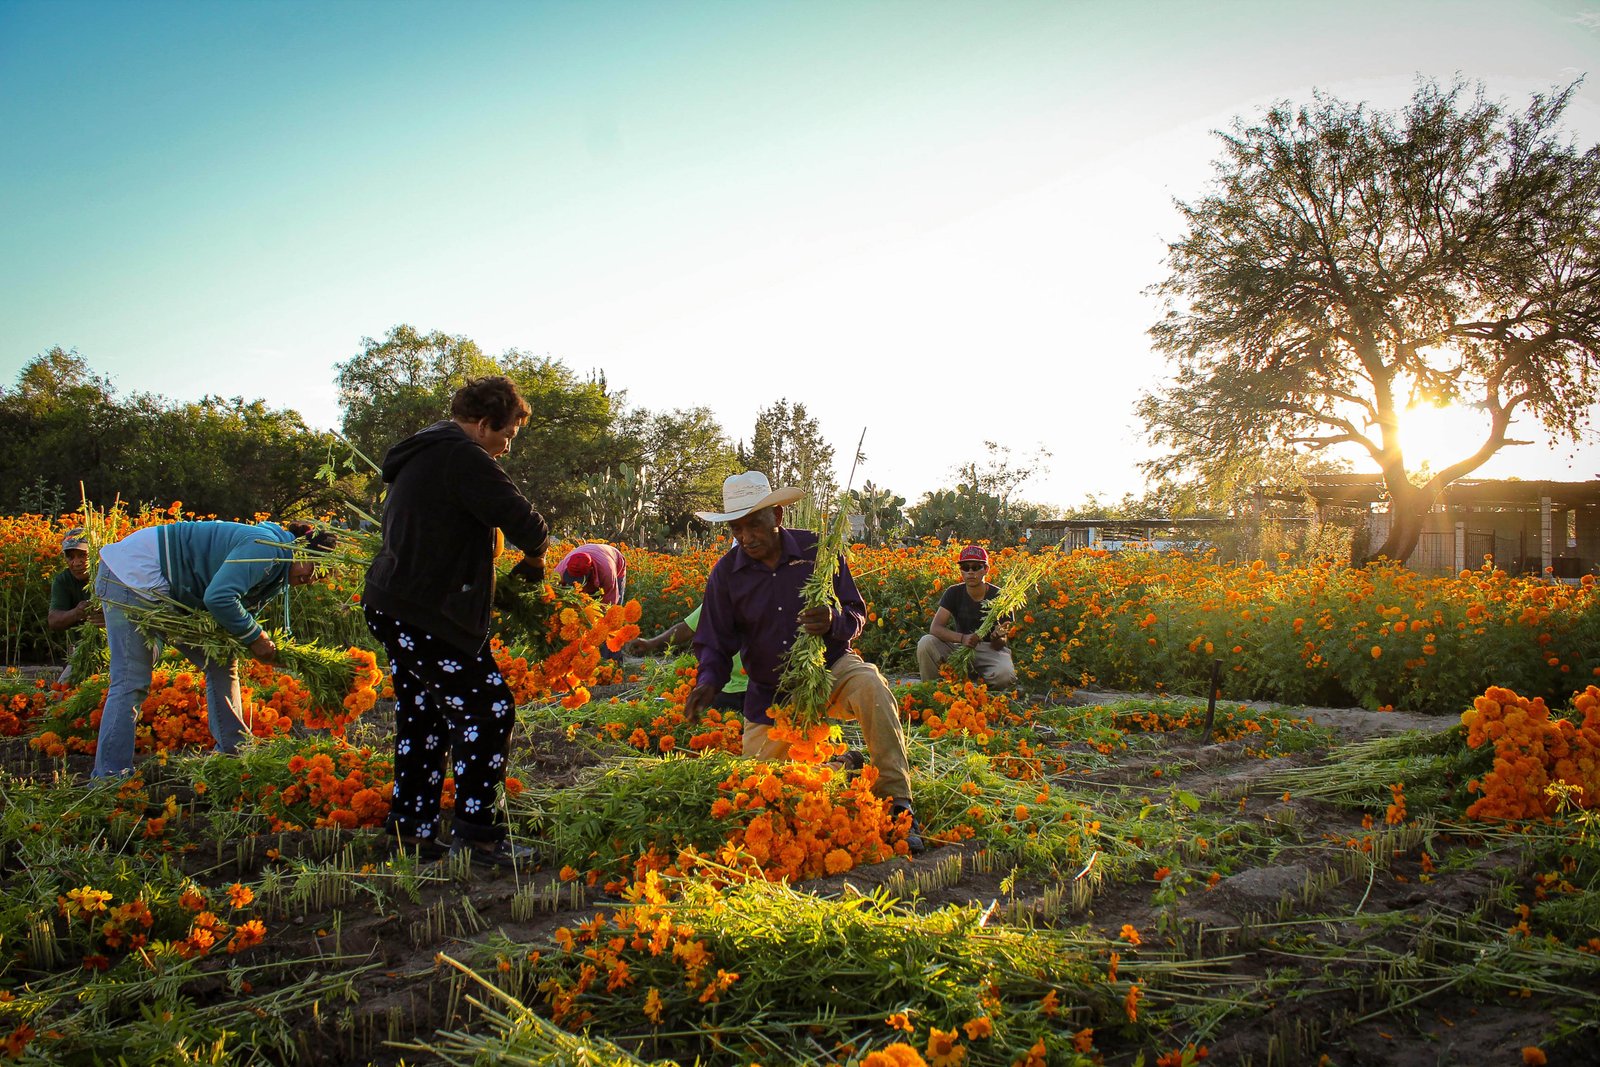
[(453, 714)]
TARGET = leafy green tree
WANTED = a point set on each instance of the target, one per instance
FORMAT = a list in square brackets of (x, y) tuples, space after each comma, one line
[(787, 446), (967, 513), (1348, 263), (66, 434), (680, 458), (1001, 474), (227, 457), (51, 426), (395, 387)]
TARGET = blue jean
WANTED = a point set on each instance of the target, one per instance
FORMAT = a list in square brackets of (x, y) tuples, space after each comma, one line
[(133, 659)]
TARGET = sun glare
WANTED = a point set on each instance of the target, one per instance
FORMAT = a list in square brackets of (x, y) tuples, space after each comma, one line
[(1441, 436)]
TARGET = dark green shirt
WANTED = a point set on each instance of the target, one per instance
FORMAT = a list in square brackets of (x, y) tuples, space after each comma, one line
[(67, 592)]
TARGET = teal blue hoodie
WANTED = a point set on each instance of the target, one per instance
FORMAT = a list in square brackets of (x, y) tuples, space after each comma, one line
[(228, 568)]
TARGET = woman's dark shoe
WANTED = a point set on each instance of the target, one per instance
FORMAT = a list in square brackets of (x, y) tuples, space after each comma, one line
[(495, 853)]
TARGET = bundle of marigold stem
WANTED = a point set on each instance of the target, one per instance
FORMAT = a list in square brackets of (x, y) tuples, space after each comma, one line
[(1014, 591), (805, 684), (328, 675)]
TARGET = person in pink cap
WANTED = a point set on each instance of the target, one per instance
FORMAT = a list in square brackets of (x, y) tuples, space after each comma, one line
[(598, 570), (956, 623)]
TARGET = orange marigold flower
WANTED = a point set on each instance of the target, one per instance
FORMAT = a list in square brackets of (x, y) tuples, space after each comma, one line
[(248, 935), (1083, 1040), (1036, 1055), (240, 895), (943, 1050), (1130, 935), (899, 1021), (978, 1028), (1533, 1056), (895, 1055), (1130, 1003)]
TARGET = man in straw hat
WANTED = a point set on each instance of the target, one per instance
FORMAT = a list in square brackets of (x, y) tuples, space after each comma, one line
[(753, 607)]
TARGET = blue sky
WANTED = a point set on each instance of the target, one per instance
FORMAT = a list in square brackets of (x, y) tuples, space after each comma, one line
[(933, 220)]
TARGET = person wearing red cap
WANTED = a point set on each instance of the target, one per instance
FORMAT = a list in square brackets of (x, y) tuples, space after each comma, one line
[(599, 570), (956, 622)]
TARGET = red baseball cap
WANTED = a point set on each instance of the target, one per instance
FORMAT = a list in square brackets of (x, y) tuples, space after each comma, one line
[(974, 553)]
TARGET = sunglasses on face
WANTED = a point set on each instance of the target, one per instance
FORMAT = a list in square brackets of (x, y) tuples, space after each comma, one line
[(973, 566)]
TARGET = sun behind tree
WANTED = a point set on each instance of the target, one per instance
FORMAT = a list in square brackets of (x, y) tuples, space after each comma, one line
[(1349, 264)]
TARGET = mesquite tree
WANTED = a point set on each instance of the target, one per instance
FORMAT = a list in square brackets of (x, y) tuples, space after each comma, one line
[(1349, 263)]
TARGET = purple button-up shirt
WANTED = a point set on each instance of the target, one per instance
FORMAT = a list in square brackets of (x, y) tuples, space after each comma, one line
[(753, 609)]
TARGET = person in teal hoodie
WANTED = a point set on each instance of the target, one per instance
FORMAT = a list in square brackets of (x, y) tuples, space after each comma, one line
[(230, 569)]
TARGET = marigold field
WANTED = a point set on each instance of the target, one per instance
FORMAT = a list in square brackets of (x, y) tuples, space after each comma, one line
[(1384, 851)]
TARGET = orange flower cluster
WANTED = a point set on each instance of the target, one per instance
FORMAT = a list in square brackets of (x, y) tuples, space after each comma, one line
[(971, 710), (174, 717), (339, 786), (365, 680), (950, 708), (792, 826), (104, 926), (807, 744), (1532, 751), (1396, 813), (632, 938), (281, 701), (669, 729), (207, 931), (21, 703), (580, 632)]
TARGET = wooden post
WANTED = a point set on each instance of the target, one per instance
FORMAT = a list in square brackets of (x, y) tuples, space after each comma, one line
[(1461, 547), (1211, 701)]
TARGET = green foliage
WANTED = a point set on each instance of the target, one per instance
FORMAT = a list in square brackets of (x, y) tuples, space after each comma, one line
[(616, 506), (395, 387), (794, 1004), (680, 459), (610, 818), (1348, 264), (882, 519), (65, 435)]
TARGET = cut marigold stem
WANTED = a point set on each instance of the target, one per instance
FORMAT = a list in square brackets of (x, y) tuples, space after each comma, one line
[(805, 684)]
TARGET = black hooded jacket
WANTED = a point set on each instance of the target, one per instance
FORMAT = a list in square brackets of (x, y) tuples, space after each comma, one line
[(446, 498)]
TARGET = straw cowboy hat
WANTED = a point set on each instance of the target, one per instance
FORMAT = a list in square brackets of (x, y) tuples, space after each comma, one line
[(747, 492)]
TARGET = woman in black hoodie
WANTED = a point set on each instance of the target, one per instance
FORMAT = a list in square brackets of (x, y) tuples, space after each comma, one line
[(428, 598)]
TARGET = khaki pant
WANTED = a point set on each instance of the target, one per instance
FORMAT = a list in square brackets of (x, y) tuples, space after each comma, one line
[(993, 666), (860, 689)]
